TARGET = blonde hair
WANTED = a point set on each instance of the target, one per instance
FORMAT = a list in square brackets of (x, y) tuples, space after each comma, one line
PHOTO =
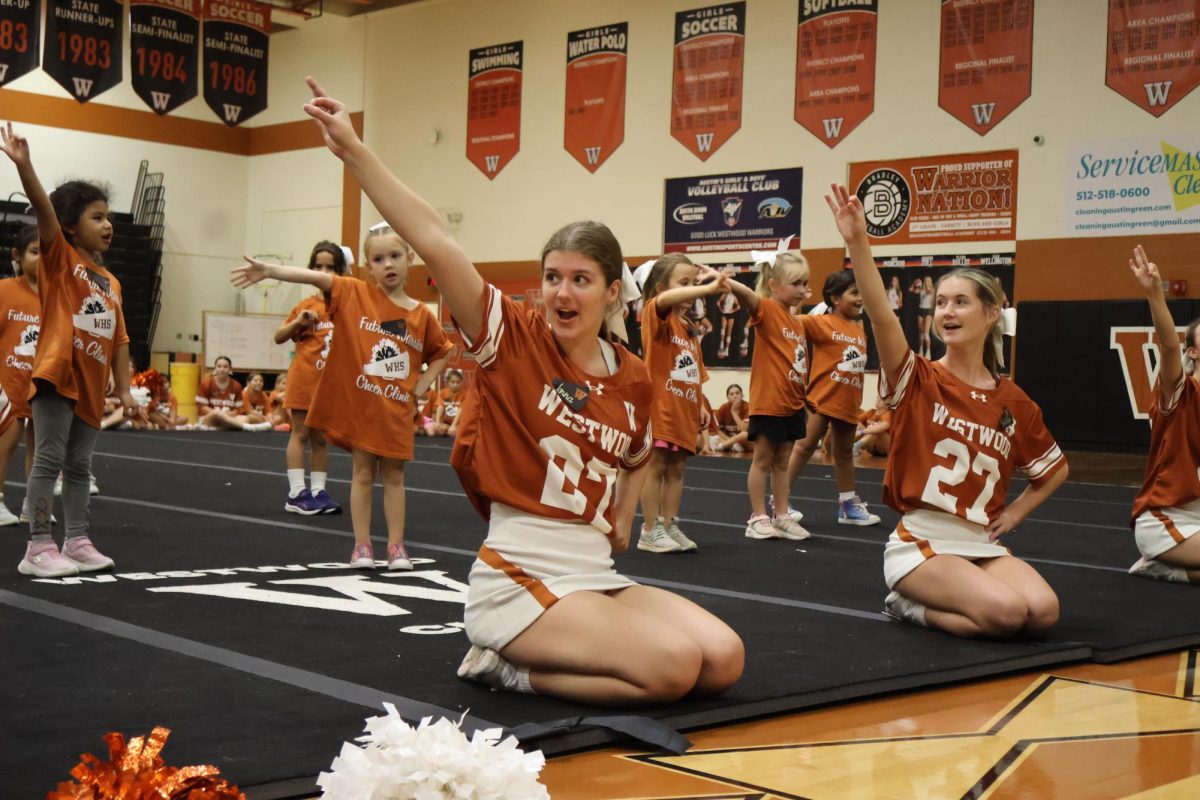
[(991, 294), (380, 230), (783, 267)]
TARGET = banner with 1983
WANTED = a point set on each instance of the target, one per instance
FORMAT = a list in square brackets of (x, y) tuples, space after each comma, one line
[(236, 36), (82, 51), (738, 211)]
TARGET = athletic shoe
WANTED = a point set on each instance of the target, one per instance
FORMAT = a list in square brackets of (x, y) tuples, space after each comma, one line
[(83, 554), (58, 485), (328, 504), (793, 513), (92, 487), (44, 561), (304, 503), (363, 557), (398, 557), (7, 517), (656, 540), (1149, 568), (788, 528), (488, 667), (901, 609), (854, 512), (24, 518), (760, 527), (685, 544)]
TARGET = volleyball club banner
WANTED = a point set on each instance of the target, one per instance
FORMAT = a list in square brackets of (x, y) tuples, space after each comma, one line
[(494, 106), (986, 60), (236, 36), (706, 88), (164, 51), (835, 66), (20, 24), (595, 115), (82, 48), (970, 197), (1153, 59), (738, 211)]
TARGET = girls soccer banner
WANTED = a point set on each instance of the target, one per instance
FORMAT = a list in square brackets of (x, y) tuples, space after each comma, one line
[(986, 60), (82, 49), (595, 118), (1153, 59), (164, 50), (494, 106), (738, 211), (706, 89), (971, 197), (20, 21), (835, 66), (236, 36)]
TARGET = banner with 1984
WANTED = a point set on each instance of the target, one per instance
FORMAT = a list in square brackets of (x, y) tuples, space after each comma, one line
[(737, 211), (236, 35), (164, 48)]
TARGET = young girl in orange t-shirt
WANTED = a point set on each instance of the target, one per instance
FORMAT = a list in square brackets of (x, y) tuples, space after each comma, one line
[(20, 320), (277, 415), (366, 397), (447, 405)]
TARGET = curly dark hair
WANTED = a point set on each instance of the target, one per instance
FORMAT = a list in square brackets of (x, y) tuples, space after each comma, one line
[(71, 198)]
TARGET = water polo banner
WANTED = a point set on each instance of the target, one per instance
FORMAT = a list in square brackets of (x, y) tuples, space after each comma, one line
[(164, 51), (734, 212), (969, 197), (494, 106), (236, 37), (706, 88), (835, 66), (82, 49), (1153, 60), (595, 112), (20, 23), (986, 60)]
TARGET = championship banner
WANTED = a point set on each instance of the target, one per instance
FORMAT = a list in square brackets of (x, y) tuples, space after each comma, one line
[(1153, 57), (82, 48), (971, 197), (706, 88), (738, 211), (595, 118), (835, 66), (494, 106), (20, 23), (164, 50), (986, 60), (236, 36)]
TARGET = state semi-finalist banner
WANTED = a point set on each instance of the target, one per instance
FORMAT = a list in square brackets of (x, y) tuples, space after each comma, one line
[(986, 60), (969, 197), (164, 51), (236, 36), (835, 66), (82, 49), (706, 87), (494, 106), (738, 211), (1153, 51), (20, 23), (595, 111)]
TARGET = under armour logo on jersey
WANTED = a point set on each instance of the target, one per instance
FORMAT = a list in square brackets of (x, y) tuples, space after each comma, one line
[(979, 396), (598, 388)]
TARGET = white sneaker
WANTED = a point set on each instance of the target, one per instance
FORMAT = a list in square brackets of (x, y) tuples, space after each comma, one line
[(92, 487), (256, 427), (760, 527), (793, 513), (58, 485), (7, 517), (901, 609), (1149, 568), (45, 561), (488, 667), (685, 544), (854, 512), (788, 528), (656, 540)]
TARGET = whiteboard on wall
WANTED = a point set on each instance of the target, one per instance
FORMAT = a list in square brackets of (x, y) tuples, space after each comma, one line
[(248, 340)]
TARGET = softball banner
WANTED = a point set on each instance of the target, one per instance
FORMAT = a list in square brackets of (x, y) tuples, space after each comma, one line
[(739, 211), (970, 197), (82, 50), (986, 60), (164, 49), (236, 35), (835, 66), (20, 24), (595, 111), (494, 106), (706, 87), (1153, 57)]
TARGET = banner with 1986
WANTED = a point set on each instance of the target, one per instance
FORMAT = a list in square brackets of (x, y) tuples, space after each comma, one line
[(236, 36)]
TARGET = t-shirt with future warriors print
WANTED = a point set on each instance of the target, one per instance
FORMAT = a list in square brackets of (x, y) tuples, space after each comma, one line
[(312, 349), (839, 356), (674, 362), (20, 326), (82, 324), (779, 367), (364, 400)]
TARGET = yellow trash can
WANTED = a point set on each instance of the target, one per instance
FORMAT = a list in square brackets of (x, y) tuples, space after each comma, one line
[(185, 380)]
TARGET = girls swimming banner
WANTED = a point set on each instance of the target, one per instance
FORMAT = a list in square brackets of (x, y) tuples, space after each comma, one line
[(738, 211), (82, 48), (164, 51), (969, 197), (835, 66), (986, 60), (236, 36), (1153, 57), (706, 88), (20, 24), (494, 106), (595, 111)]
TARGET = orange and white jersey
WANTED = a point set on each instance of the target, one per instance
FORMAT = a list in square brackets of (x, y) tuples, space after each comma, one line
[(537, 433), (955, 447), (20, 324), (211, 397), (1173, 464), (676, 373), (839, 356), (725, 418), (779, 367)]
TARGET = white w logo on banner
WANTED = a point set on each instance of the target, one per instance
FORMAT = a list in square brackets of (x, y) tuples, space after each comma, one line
[(1157, 93), (833, 127), (704, 142), (83, 87), (3, 71), (492, 162), (232, 112), (592, 153), (160, 100), (983, 112)]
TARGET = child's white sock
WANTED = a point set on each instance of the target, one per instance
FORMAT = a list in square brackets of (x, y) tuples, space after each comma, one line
[(318, 481), (295, 482)]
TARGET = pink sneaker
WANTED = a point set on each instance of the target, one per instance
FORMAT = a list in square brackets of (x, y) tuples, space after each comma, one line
[(44, 561), (362, 557), (83, 554), (398, 557)]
